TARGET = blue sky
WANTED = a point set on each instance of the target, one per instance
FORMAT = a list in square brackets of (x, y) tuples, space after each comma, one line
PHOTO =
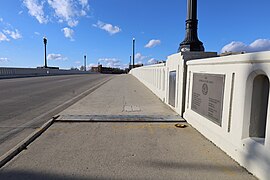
[(103, 29)]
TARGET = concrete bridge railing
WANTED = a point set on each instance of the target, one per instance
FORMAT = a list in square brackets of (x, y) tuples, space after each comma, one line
[(24, 72), (224, 98), (153, 77)]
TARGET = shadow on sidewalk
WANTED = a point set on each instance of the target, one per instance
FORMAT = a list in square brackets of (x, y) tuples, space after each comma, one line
[(210, 167), (31, 175)]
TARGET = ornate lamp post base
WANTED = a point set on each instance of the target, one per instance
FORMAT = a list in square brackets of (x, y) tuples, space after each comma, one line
[(191, 46), (191, 41)]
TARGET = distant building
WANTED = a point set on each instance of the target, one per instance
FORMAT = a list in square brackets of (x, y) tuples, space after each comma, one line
[(107, 70), (97, 69)]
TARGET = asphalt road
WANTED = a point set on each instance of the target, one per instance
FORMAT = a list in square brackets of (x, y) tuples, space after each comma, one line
[(26, 103)]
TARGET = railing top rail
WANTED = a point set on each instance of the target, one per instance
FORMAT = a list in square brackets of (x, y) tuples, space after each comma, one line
[(261, 57)]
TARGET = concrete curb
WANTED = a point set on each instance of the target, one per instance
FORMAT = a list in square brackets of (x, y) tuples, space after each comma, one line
[(4, 159), (23, 144), (63, 106)]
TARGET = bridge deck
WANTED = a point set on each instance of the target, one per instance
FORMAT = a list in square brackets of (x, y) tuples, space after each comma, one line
[(103, 136)]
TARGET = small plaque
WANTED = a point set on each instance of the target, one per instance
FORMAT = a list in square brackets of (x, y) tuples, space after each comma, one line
[(172, 88), (207, 96)]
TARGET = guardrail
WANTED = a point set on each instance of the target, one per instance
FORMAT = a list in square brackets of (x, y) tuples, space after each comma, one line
[(25, 72), (224, 98)]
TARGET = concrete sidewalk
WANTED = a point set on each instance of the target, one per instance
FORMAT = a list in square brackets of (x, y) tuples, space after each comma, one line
[(95, 140)]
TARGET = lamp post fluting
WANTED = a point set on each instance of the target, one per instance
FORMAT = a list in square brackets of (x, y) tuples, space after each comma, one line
[(191, 41), (45, 53)]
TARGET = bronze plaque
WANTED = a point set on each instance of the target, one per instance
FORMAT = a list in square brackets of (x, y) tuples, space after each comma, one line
[(207, 96), (172, 88)]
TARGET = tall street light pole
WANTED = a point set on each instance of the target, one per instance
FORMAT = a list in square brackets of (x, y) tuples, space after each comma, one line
[(191, 41), (45, 54), (130, 62), (84, 62), (133, 52)]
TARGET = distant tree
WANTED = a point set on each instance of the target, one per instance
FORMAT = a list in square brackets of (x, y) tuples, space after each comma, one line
[(82, 68), (74, 68)]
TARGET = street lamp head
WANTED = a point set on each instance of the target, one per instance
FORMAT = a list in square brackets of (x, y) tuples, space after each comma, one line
[(45, 40)]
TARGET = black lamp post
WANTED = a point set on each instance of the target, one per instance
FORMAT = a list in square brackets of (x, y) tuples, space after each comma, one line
[(45, 44), (129, 63), (133, 52), (84, 62), (191, 41)]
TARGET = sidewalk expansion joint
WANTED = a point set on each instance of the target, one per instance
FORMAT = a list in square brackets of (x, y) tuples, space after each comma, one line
[(119, 118)]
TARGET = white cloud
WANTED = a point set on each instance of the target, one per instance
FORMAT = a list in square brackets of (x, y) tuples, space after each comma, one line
[(77, 62), (3, 37), (68, 33), (37, 33), (110, 62), (73, 23), (139, 62), (69, 10), (152, 61), (8, 32), (13, 34), (256, 46), (139, 57), (108, 27), (63, 9), (152, 43), (84, 3), (260, 45), (35, 9), (89, 66), (3, 60), (56, 57)]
